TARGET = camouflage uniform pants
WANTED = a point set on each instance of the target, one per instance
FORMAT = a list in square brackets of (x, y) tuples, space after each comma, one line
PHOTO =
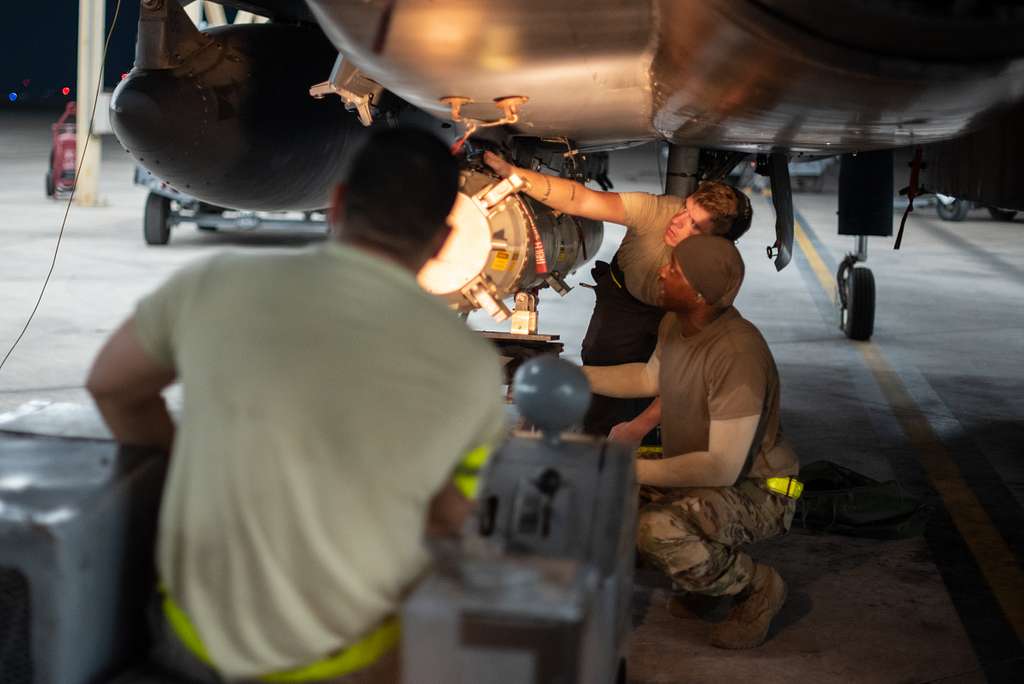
[(694, 534)]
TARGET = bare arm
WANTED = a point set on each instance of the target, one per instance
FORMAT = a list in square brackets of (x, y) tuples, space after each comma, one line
[(448, 512), (562, 194), (633, 431), (624, 381), (729, 443), (125, 383)]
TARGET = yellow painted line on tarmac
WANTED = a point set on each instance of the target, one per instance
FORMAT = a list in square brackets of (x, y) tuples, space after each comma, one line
[(997, 562), (825, 277)]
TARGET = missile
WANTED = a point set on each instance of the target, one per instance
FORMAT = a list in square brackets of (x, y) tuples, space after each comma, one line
[(503, 242)]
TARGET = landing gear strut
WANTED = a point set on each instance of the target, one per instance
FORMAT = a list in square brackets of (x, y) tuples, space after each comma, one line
[(865, 208), (856, 288)]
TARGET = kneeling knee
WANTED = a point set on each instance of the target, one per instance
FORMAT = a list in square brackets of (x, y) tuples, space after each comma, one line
[(656, 526)]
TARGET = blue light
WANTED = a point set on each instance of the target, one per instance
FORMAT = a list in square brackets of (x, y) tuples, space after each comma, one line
[(12, 96)]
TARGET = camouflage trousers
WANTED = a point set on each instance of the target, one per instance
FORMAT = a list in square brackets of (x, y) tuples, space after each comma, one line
[(693, 534)]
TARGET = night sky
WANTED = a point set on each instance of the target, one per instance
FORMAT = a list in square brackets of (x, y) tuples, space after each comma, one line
[(40, 45)]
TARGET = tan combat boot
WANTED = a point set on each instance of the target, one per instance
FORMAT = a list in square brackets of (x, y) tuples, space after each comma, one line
[(687, 606), (748, 622)]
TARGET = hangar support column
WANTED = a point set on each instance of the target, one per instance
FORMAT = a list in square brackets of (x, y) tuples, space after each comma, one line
[(91, 15)]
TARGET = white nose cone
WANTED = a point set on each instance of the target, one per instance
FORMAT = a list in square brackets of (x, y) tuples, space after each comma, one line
[(464, 255)]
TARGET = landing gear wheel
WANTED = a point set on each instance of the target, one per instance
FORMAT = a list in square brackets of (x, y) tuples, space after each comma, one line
[(1001, 214), (856, 287), (156, 224), (51, 186), (954, 211)]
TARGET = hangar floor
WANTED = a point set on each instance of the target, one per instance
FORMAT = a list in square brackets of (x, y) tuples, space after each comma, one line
[(934, 401)]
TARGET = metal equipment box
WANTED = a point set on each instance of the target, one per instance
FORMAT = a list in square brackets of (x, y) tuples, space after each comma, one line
[(541, 590), (77, 523)]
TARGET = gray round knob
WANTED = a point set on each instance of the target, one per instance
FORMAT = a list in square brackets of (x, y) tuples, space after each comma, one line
[(551, 393)]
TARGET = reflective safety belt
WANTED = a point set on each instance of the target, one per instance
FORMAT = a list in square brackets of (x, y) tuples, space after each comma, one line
[(652, 451), (786, 486), (357, 656), (467, 474)]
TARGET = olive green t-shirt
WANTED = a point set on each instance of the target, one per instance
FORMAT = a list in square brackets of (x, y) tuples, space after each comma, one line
[(326, 399), (725, 371), (643, 250)]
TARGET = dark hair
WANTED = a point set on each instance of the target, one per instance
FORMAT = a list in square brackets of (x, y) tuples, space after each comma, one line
[(401, 187), (744, 215), (729, 208)]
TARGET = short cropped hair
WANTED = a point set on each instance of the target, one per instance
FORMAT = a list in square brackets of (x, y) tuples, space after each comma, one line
[(725, 205), (401, 188)]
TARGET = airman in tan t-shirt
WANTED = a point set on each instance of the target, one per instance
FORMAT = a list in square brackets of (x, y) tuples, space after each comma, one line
[(724, 372), (720, 425)]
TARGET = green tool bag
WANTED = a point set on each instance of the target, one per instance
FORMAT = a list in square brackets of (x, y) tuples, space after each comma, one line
[(840, 501)]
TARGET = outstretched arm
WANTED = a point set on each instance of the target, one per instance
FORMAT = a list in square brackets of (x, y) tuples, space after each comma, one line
[(126, 383), (626, 380), (562, 194), (729, 443)]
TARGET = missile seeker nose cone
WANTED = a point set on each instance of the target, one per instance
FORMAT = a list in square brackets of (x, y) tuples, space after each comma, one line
[(551, 393)]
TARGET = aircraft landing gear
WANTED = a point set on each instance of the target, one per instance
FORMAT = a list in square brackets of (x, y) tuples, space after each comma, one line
[(856, 287), (865, 208), (156, 221)]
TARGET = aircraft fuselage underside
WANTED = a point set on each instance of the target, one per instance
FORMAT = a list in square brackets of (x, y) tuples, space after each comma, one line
[(736, 74)]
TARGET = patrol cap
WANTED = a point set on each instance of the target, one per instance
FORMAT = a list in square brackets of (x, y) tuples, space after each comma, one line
[(713, 266)]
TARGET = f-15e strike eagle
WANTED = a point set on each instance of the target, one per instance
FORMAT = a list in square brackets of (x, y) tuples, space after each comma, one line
[(265, 116)]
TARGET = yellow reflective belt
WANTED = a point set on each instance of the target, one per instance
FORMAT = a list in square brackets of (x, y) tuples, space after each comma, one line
[(786, 486), (358, 656), (467, 474), (183, 628)]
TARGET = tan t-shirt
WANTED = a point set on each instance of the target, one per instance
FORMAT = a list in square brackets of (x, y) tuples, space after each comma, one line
[(326, 399), (643, 250), (725, 371)]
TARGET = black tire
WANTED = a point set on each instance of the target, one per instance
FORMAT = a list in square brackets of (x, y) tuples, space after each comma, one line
[(156, 224), (957, 211), (1001, 214), (859, 315), (51, 190)]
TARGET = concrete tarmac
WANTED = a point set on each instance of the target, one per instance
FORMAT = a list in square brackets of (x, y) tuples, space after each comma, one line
[(934, 401)]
